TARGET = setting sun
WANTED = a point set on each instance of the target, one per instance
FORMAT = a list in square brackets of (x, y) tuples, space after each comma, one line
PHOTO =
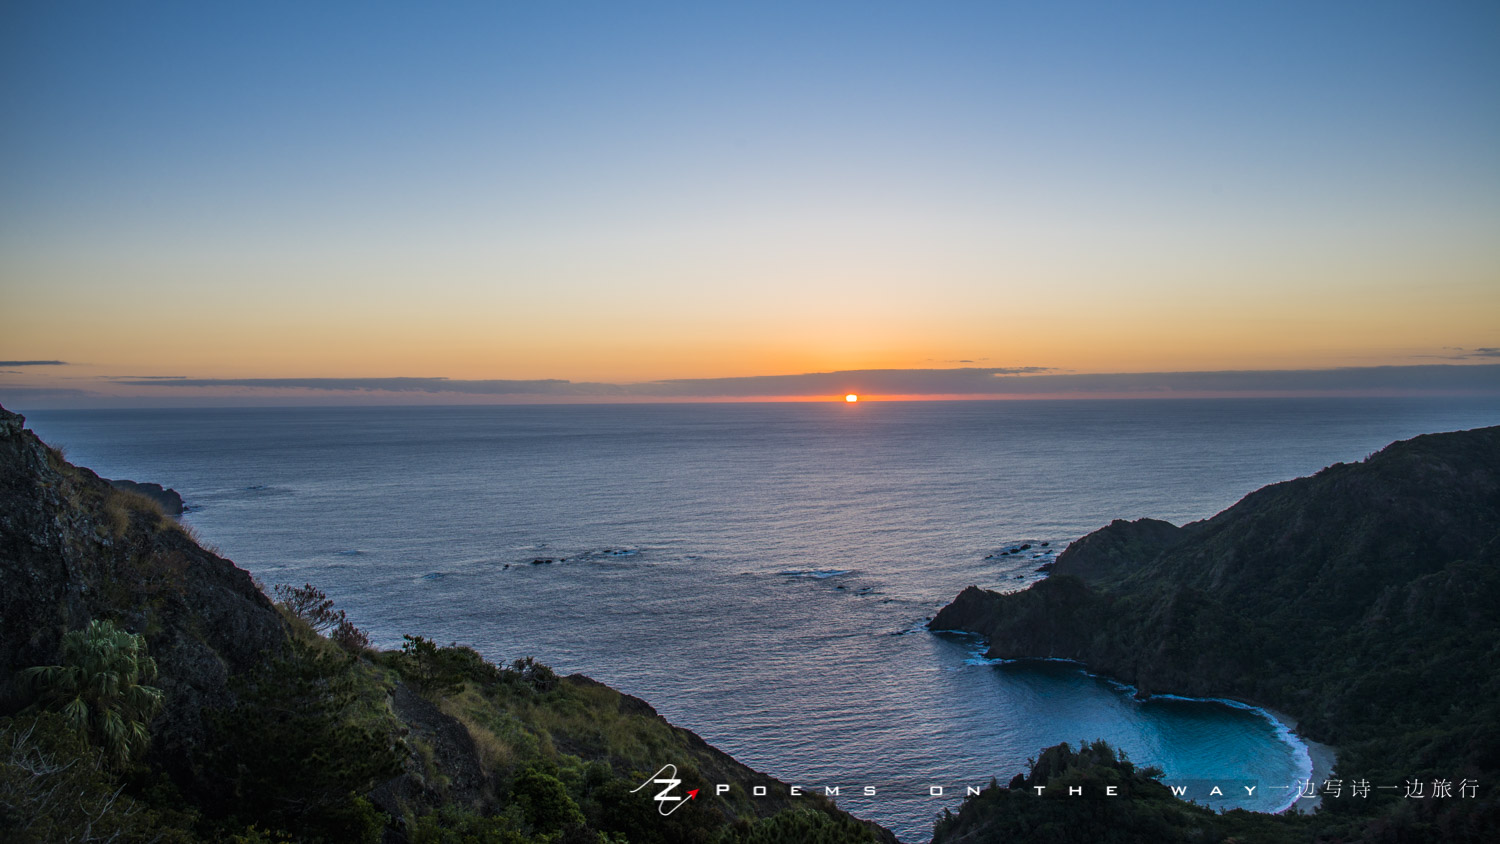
[(851, 398)]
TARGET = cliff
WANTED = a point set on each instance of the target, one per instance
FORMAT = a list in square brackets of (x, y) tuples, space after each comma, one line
[(271, 731), (1364, 600), (74, 548), (1111, 553)]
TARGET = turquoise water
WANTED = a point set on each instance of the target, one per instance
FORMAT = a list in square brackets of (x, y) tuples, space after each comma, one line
[(759, 573)]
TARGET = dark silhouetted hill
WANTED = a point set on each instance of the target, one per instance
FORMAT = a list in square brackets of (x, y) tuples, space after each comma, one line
[(1364, 600), (270, 731)]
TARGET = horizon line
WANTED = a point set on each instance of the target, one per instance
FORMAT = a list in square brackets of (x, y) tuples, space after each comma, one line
[(228, 403), (879, 385)]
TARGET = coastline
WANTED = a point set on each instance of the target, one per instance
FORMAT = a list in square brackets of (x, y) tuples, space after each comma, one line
[(1317, 758), (1321, 759)]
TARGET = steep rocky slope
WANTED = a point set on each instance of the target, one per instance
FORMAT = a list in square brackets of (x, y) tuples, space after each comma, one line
[(269, 728), (1364, 600), (74, 548)]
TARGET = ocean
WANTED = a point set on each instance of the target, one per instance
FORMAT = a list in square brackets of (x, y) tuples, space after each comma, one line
[(760, 573)]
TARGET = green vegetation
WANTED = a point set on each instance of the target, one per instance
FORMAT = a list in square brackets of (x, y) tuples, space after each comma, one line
[(55, 786), (101, 689), (562, 756), (276, 722), (311, 606), (1364, 600), (800, 825), (429, 743), (1142, 810), (306, 739)]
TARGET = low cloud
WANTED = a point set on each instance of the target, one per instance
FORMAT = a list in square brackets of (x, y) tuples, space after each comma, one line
[(33, 363), (1436, 378), (914, 382), (967, 381), (874, 381), (1469, 354), (494, 387), (12, 397)]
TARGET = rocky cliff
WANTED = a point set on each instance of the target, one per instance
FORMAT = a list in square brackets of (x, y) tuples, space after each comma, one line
[(270, 731), (1404, 540), (1364, 600), (74, 548)]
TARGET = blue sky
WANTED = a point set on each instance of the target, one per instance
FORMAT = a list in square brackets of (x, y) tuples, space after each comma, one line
[(493, 190)]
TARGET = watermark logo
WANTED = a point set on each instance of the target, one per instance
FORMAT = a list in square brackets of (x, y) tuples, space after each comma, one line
[(668, 798), (666, 801)]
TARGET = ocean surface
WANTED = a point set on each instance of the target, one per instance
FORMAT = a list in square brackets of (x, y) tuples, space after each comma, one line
[(760, 573)]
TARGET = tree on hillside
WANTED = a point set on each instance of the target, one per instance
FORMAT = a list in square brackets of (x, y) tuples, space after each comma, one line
[(310, 604)]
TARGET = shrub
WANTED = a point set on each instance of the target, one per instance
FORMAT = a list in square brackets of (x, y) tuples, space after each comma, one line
[(444, 670), (429, 668), (453, 825), (313, 607), (802, 825), (294, 755), (310, 604), (350, 638), (544, 801), (535, 674), (55, 787), (100, 689)]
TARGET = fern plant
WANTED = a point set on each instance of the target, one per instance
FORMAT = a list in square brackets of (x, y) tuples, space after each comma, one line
[(101, 688)]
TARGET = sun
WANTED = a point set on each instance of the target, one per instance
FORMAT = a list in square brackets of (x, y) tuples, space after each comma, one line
[(851, 398)]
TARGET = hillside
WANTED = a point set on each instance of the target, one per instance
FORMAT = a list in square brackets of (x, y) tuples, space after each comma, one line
[(1364, 600), (1036, 806), (275, 721)]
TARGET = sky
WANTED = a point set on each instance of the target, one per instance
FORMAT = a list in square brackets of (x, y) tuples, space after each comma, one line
[(544, 201)]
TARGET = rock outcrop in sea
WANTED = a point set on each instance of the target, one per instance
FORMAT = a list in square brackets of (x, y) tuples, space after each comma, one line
[(170, 500)]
